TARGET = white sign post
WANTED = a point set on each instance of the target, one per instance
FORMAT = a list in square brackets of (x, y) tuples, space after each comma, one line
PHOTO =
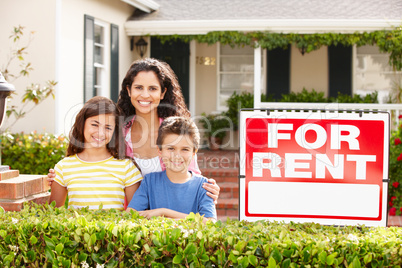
[(327, 167)]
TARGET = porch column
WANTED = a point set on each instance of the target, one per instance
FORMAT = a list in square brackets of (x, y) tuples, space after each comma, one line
[(192, 72), (257, 77)]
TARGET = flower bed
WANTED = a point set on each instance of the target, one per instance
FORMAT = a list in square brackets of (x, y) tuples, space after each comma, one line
[(56, 237)]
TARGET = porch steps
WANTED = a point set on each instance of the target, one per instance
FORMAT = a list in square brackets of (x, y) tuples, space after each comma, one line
[(222, 166), (16, 190)]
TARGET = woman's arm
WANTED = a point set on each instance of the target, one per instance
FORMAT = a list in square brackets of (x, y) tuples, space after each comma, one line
[(130, 190), (58, 194)]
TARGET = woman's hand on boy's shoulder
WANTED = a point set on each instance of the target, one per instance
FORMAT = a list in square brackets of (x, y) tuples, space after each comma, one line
[(213, 189)]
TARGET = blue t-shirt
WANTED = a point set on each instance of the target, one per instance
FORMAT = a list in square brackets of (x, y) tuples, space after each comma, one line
[(157, 191)]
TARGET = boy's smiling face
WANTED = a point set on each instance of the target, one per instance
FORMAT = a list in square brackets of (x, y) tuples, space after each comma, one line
[(177, 152)]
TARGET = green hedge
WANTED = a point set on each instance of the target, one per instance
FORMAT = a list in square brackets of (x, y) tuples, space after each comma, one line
[(32, 153), (56, 237)]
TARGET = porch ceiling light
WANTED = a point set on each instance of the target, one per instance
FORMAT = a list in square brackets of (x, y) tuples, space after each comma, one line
[(5, 91), (141, 46)]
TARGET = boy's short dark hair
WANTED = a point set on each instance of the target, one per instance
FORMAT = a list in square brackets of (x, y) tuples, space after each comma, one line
[(179, 126)]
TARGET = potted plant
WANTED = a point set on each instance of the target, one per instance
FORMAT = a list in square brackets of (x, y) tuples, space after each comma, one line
[(215, 128)]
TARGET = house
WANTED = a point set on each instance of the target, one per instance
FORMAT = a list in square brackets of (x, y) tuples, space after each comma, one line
[(209, 72)]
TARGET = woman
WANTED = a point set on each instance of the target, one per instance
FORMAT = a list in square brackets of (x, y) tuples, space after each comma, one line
[(150, 93)]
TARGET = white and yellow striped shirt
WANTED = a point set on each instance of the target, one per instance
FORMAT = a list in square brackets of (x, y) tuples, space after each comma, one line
[(90, 184)]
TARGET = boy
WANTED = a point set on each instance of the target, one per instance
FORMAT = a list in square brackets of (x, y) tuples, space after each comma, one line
[(175, 192)]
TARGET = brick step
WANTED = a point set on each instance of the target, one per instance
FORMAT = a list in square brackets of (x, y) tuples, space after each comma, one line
[(229, 190), (392, 220), (220, 172), (232, 203), (23, 186), (18, 204), (226, 179), (9, 174), (224, 214), (218, 159)]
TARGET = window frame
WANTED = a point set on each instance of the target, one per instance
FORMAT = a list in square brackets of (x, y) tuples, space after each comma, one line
[(221, 108)]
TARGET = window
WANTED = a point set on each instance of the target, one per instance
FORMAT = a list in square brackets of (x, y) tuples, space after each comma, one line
[(235, 72), (373, 72), (100, 59)]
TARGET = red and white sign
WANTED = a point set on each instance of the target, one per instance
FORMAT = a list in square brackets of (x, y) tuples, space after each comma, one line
[(329, 168)]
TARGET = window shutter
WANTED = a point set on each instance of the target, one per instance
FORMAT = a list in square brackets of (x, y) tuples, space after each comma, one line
[(114, 62), (340, 70), (89, 69), (278, 72)]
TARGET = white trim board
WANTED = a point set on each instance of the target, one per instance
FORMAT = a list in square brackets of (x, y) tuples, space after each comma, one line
[(308, 26)]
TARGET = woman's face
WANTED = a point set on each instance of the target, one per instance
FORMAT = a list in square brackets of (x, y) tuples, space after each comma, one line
[(145, 92)]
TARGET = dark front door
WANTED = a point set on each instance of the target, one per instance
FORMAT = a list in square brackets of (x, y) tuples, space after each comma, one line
[(340, 70), (278, 72), (176, 54)]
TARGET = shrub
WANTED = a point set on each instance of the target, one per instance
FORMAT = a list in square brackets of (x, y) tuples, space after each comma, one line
[(356, 98), (395, 172), (215, 125), (304, 96), (32, 153), (237, 102), (56, 237)]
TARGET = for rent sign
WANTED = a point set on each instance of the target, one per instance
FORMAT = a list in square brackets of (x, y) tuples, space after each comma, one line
[(326, 167)]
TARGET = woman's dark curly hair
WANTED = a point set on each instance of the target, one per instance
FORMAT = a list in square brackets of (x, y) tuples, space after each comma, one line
[(173, 102), (96, 106)]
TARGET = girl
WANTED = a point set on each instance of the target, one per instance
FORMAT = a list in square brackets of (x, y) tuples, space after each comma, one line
[(95, 171)]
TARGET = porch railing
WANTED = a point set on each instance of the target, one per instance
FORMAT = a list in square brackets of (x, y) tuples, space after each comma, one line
[(394, 109)]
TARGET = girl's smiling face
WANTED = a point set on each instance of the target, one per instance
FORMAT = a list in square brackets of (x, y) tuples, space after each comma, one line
[(145, 92), (98, 130)]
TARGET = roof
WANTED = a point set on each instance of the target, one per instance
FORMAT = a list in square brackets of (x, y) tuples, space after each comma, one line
[(202, 16)]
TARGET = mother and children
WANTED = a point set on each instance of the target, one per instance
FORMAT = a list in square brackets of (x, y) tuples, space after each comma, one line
[(140, 151)]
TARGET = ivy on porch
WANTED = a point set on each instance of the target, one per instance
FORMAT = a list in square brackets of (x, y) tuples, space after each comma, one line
[(388, 41)]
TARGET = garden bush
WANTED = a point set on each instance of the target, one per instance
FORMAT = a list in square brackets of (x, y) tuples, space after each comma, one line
[(45, 236), (32, 153)]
